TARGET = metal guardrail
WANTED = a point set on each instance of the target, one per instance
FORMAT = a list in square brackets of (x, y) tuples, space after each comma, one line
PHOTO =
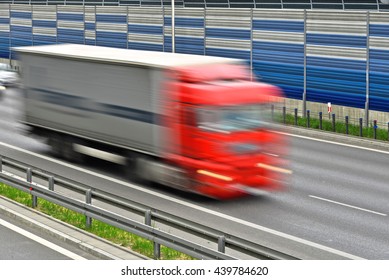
[(159, 237)]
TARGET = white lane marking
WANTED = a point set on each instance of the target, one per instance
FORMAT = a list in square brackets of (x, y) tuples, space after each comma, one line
[(41, 241), (335, 143), (191, 205), (347, 205)]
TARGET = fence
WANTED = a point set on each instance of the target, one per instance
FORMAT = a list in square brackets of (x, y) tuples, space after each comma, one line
[(222, 241), (326, 120), (316, 56), (261, 4)]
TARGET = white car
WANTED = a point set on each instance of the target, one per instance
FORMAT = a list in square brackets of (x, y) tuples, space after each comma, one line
[(8, 76)]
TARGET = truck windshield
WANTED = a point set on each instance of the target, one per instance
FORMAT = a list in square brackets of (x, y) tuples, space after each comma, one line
[(234, 118)]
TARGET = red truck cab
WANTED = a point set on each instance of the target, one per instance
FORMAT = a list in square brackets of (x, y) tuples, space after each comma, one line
[(222, 134)]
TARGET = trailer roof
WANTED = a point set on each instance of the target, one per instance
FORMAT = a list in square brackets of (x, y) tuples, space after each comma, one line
[(123, 56)]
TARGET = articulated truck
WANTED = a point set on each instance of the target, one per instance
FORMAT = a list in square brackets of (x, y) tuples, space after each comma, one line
[(192, 122)]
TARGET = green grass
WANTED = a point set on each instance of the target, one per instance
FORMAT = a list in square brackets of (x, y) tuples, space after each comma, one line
[(113, 234), (340, 127)]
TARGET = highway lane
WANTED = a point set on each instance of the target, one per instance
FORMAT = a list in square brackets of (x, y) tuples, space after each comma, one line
[(337, 196), (19, 242)]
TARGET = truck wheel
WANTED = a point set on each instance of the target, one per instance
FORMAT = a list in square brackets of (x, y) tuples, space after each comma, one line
[(55, 142), (68, 152), (62, 147), (132, 171)]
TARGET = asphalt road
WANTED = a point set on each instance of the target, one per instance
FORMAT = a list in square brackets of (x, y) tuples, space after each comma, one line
[(20, 242), (337, 197)]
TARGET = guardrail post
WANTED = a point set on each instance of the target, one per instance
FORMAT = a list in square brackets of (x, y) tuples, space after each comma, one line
[(360, 127), (34, 199), (284, 114), (346, 124), (333, 123), (148, 217), (388, 131), (375, 129), (221, 244), (308, 118), (295, 116), (157, 250), (51, 183), (88, 200), (157, 246), (1, 161), (272, 112), (320, 120)]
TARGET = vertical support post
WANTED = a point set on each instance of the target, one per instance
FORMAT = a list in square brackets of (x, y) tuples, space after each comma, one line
[(221, 244), (56, 24), (305, 64), (360, 127), (173, 28), (205, 27), (157, 246), (251, 44), (346, 125), (333, 123), (375, 129), (29, 180), (88, 200), (96, 27), (367, 68), (308, 118), (1, 164), (295, 116), (84, 17), (128, 28), (51, 183), (9, 36), (157, 250), (284, 114), (320, 120), (388, 131), (148, 217)]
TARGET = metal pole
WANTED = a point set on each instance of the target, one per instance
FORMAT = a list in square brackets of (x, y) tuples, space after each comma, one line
[(333, 123), (360, 127), (367, 68), (205, 27), (51, 183), (157, 246), (320, 120), (157, 250), (284, 114), (305, 64), (88, 200), (308, 119), (148, 217), (1, 164), (173, 29), (375, 129), (221, 244), (295, 116), (346, 124), (33, 197), (251, 44), (9, 36)]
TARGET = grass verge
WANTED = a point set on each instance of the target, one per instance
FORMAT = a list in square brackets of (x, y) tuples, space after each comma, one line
[(340, 127), (113, 234)]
